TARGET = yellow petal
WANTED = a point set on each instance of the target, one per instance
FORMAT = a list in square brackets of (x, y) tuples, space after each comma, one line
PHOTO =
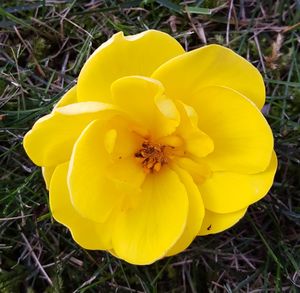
[(145, 233), (121, 140), (86, 233), (226, 192), (243, 140), (209, 66), (113, 253), (195, 213), (110, 139), (215, 223), (52, 137), (70, 97), (127, 174), (198, 170), (197, 143), (142, 98), (122, 56), (93, 193), (47, 174)]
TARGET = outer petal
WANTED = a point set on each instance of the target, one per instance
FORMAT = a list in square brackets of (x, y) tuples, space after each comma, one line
[(195, 213), (86, 233), (142, 98), (209, 66), (52, 137), (93, 192), (243, 140), (215, 223), (47, 174), (146, 232), (226, 192), (70, 97), (122, 56)]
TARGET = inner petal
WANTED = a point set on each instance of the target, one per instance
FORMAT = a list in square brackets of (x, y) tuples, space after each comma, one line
[(200, 171), (143, 100), (144, 233), (197, 143), (99, 166)]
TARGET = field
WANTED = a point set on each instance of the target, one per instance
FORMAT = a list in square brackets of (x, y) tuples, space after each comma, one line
[(43, 45)]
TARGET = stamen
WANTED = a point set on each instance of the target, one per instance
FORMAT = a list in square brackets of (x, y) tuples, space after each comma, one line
[(153, 156)]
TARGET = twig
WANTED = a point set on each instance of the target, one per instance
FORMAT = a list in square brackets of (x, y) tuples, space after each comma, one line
[(36, 260), (228, 22), (14, 218), (260, 54)]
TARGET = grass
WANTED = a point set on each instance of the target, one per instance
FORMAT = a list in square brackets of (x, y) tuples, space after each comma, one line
[(43, 45)]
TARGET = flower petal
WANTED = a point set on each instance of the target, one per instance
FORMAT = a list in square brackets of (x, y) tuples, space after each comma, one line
[(52, 137), (127, 174), (215, 223), (197, 143), (70, 97), (86, 233), (243, 140), (93, 192), (142, 98), (226, 192), (198, 170), (195, 213), (146, 232), (122, 56), (47, 173), (209, 66)]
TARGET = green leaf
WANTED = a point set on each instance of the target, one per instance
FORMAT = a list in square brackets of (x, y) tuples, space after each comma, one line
[(198, 10)]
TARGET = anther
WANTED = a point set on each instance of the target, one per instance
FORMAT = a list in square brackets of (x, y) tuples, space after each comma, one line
[(153, 156)]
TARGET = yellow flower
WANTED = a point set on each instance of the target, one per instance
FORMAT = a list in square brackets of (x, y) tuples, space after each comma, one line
[(154, 146)]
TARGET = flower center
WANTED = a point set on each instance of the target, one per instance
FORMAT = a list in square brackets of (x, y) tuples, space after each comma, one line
[(153, 156)]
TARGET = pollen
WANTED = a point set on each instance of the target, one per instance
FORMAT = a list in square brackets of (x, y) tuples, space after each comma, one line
[(153, 156)]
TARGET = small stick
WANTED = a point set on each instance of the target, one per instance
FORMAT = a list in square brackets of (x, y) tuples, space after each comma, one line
[(228, 22), (36, 260), (260, 54)]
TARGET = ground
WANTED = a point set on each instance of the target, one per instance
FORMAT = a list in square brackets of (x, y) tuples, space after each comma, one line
[(43, 45)]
